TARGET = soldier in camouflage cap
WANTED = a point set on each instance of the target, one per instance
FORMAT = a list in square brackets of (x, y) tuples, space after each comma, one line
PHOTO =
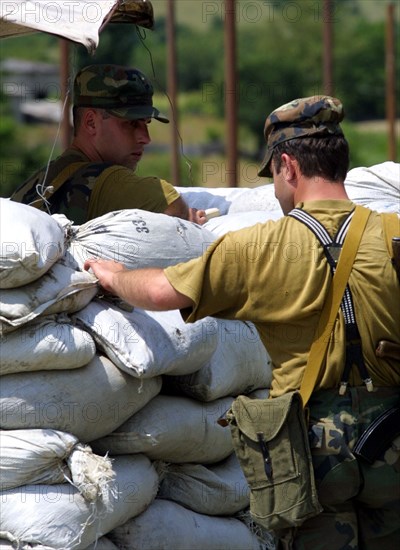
[(113, 107), (122, 91), (278, 275), (309, 116)]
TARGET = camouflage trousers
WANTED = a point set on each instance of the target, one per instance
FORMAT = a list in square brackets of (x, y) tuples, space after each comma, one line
[(361, 501)]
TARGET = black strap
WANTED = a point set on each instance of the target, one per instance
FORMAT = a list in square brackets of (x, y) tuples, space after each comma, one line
[(332, 248)]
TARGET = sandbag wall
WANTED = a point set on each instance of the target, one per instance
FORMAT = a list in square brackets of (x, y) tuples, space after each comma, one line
[(108, 413)]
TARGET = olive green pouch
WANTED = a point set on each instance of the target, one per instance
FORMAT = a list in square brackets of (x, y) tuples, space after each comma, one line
[(270, 439)]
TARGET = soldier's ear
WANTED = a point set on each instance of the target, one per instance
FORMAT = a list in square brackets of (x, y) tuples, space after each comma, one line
[(289, 167), (89, 120)]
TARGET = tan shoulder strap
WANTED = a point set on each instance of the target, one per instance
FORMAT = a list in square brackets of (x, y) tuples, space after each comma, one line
[(391, 228), (331, 306), (48, 190)]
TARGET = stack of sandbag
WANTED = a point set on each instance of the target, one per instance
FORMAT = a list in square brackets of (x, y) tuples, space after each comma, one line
[(377, 186), (79, 367), (57, 393)]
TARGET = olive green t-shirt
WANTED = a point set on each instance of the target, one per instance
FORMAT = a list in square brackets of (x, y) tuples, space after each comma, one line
[(90, 189), (276, 275)]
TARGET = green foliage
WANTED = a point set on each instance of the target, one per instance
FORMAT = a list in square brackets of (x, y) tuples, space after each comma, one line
[(32, 47), (279, 57), (17, 161)]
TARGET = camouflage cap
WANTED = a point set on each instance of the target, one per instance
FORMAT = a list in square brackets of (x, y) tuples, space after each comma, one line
[(307, 116), (123, 92)]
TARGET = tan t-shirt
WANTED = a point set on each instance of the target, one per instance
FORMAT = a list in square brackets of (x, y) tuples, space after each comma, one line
[(276, 275), (92, 189)]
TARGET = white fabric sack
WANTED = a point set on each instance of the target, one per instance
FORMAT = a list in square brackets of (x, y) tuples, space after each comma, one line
[(240, 364), (259, 198), (204, 198), (88, 402), (217, 489), (172, 429), (48, 343), (165, 526), (239, 220), (61, 289), (58, 516), (138, 238), (30, 457), (377, 186), (7, 545), (31, 242), (146, 344), (102, 544)]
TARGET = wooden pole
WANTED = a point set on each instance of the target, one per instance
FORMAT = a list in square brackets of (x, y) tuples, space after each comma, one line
[(390, 82), (230, 93), (328, 47), (66, 129), (172, 90)]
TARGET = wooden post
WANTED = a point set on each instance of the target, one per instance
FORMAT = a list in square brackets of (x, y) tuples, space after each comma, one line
[(390, 82), (327, 18), (230, 93), (172, 91), (66, 129)]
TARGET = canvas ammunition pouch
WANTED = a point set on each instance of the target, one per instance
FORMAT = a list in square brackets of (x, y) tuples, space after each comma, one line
[(270, 437)]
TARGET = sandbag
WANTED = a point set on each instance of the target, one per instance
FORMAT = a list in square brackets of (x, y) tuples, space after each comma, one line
[(376, 187), (7, 545), (240, 364), (102, 544), (218, 197), (47, 343), (60, 289), (58, 516), (221, 225), (259, 198), (138, 238), (146, 344), (30, 457), (31, 242), (167, 526), (217, 489), (88, 402), (172, 429)]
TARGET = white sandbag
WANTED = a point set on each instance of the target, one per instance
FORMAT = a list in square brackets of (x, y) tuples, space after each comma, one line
[(221, 225), (146, 344), (48, 343), (30, 457), (167, 526), (88, 402), (138, 238), (31, 242), (61, 289), (204, 198), (172, 429), (7, 545), (217, 489), (259, 198), (240, 365), (102, 544), (58, 516), (377, 186)]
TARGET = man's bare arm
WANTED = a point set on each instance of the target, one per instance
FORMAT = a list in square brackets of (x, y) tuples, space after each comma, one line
[(180, 209), (145, 288)]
